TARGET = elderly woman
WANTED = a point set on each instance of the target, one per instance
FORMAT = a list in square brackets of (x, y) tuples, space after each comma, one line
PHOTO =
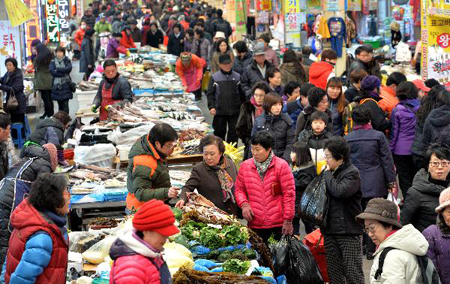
[(137, 253), (265, 190), (438, 237), (12, 84), (250, 110), (401, 265), (17, 183), (113, 89), (214, 178), (342, 234), (38, 250), (423, 197), (277, 123)]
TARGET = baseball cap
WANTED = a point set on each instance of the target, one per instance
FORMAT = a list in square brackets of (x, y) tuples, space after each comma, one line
[(259, 49), (421, 85), (224, 58)]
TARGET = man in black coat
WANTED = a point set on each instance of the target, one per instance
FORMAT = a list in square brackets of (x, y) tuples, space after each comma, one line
[(89, 18), (225, 99), (176, 41), (221, 25)]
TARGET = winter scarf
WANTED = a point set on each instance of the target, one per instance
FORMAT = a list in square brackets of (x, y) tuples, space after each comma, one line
[(59, 82), (225, 180), (262, 167), (259, 110), (364, 127)]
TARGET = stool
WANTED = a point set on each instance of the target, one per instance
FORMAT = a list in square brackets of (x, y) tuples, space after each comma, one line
[(16, 128), (27, 128)]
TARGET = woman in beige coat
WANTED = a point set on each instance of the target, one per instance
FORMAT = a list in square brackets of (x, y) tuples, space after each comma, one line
[(292, 69)]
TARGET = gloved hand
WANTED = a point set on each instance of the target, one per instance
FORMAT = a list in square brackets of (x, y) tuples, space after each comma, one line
[(93, 108), (247, 212), (288, 228), (107, 107)]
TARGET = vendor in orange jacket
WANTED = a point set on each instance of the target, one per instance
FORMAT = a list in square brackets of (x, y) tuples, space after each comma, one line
[(127, 40), (190, 69)]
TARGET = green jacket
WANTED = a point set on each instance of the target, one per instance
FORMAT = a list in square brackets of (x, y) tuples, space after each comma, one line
[(102, 27), (42, 78), (147, 174)]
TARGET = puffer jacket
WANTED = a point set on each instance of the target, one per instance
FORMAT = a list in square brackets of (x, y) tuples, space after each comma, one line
[(14, 82), (240, 65), (121, 91), (40, 164), (289, 74), (316, 143), (136, 262), (282, 131), (344, 193), (319, 73), (437, 127), (418, 149), (38, 247), (251, 76), (403, 124), (338, 125), (438, 237), (421, 201), (303, 176), (225, 93), (64, 92), (269, 211), (400, 265), (49, 130), (304, 120), (369, 152)]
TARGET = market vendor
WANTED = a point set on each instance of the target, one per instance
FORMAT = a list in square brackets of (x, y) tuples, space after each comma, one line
[(214, 178), (147, 173), (113, 89), (190, 69)]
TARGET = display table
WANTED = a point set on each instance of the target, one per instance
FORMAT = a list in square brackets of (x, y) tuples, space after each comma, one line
[(81, 214)]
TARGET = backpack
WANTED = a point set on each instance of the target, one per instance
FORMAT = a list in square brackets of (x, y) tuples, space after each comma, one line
[(348, 121), (428, 271)]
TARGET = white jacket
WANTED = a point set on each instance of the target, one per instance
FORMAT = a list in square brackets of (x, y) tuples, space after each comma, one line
[(400, 265)]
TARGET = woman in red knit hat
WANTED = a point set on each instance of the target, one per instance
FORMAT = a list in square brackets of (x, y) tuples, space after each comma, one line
[(137, 253)]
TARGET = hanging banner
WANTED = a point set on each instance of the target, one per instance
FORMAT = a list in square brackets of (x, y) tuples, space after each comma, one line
[(331, 5), (9, 44), (263, 5), (52, 20), (18, 12), (439, 8), (63, 15), (354, 5), (313, 6), (241, 16), (33, 30)]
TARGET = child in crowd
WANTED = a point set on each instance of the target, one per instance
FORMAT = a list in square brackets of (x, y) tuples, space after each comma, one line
[(316, 138), (273, 78), (304, 172), (294, 107)]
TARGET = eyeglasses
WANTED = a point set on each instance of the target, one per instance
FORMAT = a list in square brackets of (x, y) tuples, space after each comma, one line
[(328, 157), (371, 229), (443, 164)]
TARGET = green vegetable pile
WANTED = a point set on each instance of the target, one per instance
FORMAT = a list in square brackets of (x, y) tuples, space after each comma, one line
[(210, 238), (236, 266), (178, 213), (191, 230), (235, 235), (246, 254)]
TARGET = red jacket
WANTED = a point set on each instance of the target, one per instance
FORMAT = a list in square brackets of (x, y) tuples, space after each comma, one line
[(135, 262), (79, 35), (127, 41), (319, 73), (269, 211), (26, 221), (192, 75)]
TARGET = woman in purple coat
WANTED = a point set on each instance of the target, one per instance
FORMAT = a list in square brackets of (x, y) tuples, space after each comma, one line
[(403, 121), (438, 237)]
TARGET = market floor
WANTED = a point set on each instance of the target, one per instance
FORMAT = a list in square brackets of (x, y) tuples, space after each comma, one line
[(73, 107)]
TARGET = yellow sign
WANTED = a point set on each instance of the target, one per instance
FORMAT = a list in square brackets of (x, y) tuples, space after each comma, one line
[(439, 33), (354, 5), (18, 12)]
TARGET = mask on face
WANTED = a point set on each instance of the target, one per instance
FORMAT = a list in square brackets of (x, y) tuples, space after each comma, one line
[(83, 27)]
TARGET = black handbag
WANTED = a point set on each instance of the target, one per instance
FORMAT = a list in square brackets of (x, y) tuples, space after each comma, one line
[(73, 87)]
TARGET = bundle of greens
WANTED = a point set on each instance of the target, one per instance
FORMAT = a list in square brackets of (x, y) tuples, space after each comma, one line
[(210, 238), (235, 235), (236, 266), (191, 230)]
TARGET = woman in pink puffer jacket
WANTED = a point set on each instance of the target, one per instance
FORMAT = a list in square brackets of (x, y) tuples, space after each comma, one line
[(265, 190)]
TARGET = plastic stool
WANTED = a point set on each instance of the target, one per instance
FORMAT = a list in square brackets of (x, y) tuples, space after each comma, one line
[(16, 128), (27, 128)]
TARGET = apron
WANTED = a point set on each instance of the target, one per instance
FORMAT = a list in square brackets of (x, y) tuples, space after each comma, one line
[(191, 79), (107, 100)]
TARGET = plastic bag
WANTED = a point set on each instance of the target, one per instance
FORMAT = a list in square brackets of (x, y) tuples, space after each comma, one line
[(314, 202), (302, 265), (396, 201), (314, 241), (280, 256), (129, 137), (177, 256), (99, 155), (97, 253)]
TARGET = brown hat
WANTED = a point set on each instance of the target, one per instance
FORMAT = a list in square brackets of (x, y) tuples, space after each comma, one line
[(382, 210)]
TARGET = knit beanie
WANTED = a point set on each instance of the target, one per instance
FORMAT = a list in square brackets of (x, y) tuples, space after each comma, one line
[(444, 201), (370, 83), (155, 216), (53, 155)]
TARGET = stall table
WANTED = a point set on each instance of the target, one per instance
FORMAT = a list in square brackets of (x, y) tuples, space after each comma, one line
[(81, 214)]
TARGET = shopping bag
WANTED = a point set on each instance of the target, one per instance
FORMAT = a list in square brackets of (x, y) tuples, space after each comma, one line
[(314, 241), (391, 197), (280, 256), (314, 202), (205, 81)]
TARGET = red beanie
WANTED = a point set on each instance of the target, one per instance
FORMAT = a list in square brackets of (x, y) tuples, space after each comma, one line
[(155, 216)]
